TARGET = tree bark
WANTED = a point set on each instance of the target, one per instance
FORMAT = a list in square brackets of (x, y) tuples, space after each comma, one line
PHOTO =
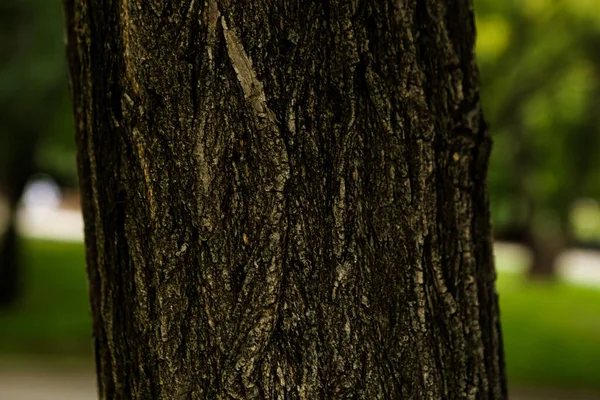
[(285, 199)]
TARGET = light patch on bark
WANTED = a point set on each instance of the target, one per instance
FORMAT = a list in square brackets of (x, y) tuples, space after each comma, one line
[(205, 163), (339, 209), (291, 115), (253, 89), (182, 250), (146, 171), (421, 323), (126, 28)]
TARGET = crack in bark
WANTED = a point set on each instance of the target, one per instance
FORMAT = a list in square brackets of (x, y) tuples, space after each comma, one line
[(251, 85)]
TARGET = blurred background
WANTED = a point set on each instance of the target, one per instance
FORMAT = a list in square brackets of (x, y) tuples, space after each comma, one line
[(540, 70)]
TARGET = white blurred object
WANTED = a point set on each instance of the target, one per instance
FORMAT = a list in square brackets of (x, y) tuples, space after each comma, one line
[(581, 266), (64, 225), (40, 214), (573, 265), (41, 193)]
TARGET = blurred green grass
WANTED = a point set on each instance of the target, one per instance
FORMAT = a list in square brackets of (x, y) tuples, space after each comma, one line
[(52, 317), (551, 330)]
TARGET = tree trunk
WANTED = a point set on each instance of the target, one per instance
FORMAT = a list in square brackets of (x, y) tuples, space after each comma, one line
[(546, 246), (10, 271), (12, 183), (285, 200), (545, 252)]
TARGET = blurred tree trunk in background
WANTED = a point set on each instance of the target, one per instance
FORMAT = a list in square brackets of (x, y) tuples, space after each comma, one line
[(32, 79), (19, 163), (10, 282), (544, 244), (545, 250), (12, 183), (285, 200)]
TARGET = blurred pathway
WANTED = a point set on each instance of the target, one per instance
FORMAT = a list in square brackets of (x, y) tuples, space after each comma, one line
[(38, 384), (41, 384), (57, 224)]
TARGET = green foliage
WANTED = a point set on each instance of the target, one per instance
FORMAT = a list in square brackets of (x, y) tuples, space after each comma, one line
[(540, 70), (34, 97)]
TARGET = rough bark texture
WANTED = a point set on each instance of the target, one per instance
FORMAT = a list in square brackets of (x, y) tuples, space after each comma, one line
[(285, 200)]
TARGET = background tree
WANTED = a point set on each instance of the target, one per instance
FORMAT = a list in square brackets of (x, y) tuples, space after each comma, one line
[(34, 125), (285, 199), (538, 68)]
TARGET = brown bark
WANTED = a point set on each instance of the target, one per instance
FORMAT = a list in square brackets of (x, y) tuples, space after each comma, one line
[(285, 199)]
